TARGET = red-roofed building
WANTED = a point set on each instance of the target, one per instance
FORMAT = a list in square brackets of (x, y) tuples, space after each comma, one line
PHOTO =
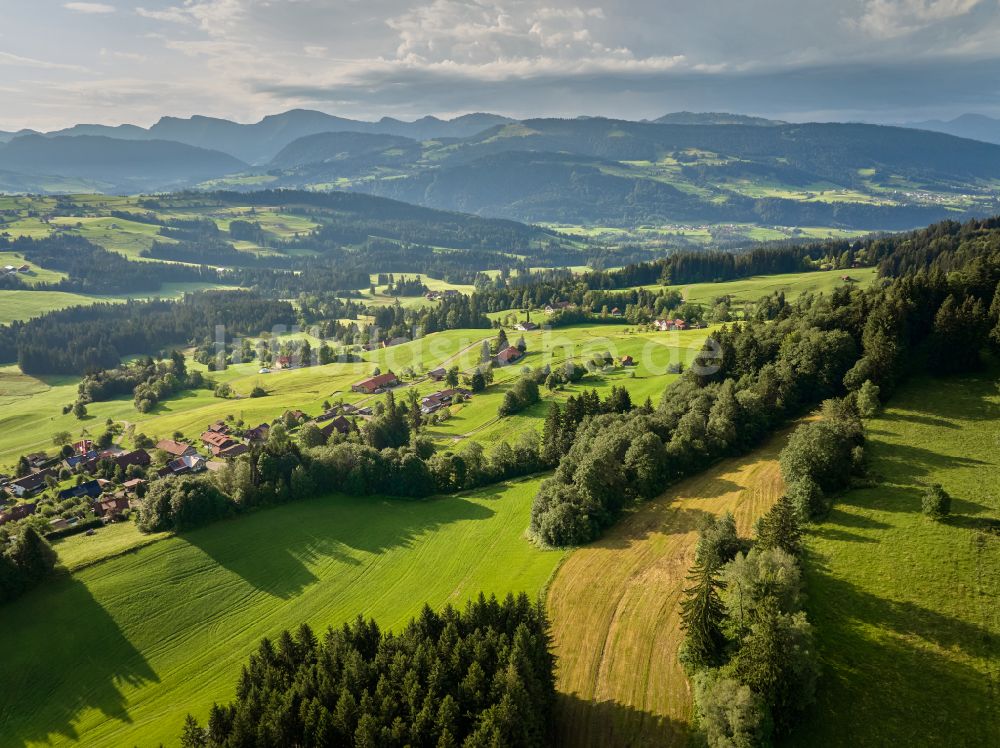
[(508, 356), (176, 449), (376, 383)]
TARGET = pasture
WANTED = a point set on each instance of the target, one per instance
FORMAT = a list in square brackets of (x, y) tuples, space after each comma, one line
[(792, 284), (904, 607), (614, 606), (117, 653)]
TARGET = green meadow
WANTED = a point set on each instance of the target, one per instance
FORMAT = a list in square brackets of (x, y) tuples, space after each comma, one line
[(133, 643), (792, 284), (905, 607)]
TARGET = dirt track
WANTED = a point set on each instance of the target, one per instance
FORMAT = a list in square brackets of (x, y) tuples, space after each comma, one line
[(614, 607)]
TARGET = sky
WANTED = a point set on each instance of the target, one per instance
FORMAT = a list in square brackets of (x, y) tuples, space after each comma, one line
[(113, 62)]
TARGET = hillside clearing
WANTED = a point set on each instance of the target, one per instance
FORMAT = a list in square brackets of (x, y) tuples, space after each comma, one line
[(614, 607)]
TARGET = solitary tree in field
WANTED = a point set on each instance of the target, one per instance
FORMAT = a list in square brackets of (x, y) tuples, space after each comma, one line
[(79, 410), (936, 502)]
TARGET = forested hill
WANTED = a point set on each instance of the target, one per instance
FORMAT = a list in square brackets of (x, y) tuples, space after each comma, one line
[(118, 165)]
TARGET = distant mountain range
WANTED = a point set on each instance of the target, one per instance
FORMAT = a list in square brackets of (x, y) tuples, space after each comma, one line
[(260, 142), (973, 126), (683, 167)]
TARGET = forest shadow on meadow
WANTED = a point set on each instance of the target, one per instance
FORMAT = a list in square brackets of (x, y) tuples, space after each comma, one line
[(87, 660), (273, 549)]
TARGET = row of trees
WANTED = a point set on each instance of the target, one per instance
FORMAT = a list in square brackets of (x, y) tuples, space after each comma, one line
[(748, 645), (478, 677)]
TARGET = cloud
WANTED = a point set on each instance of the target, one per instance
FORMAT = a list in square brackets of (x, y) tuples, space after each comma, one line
[(887, 19), (6, 58), (92, 8), (212, 16)]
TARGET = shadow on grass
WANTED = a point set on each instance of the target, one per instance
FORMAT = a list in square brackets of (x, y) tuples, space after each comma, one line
[(659, 517), (274, 549), (895, 673), (580, 722), (895, 616), (832, 533), (65, 655)]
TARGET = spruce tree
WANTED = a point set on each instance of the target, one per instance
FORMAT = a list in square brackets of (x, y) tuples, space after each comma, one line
[(780, 528), (702, 615)]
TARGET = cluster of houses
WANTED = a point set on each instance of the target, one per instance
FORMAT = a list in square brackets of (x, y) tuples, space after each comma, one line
[(664, 325), (85, 459), (219, 439), (438, 295), (11, 270)]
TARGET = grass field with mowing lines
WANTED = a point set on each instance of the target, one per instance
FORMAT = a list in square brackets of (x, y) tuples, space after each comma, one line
[(905, 608), (615, 608), (119, 652)]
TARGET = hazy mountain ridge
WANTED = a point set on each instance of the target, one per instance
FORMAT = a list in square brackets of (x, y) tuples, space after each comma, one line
[(972, 126), (715, 118)]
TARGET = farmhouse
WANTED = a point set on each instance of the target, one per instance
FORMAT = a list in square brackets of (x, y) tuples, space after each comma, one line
[(627, 361), (110, 507), (138, 457), (257, 433), (526, 326), (28, 485), (228, 453), (438, 400), (216, 441), (283, 362), (508, 356), (16, 512), (376, 384), (91, 489), (438, 374), (219, 427), (176, 449), (338, 424), (187, 464), (557, 306)]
